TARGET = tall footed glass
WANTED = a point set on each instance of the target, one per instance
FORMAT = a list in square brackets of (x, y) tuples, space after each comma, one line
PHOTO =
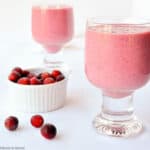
[(52, 27), (117, 60)]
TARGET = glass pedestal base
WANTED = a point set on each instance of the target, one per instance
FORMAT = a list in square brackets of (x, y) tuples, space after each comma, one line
[(117, 116), (117, 128)]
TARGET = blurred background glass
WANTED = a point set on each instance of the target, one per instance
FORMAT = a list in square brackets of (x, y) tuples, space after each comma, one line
[(15, 16)]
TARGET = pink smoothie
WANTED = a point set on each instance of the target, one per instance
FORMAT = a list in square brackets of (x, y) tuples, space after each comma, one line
[(117, 58), (52, 26)]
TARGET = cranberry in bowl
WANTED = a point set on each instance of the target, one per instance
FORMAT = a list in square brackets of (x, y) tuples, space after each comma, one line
[(37, 89)]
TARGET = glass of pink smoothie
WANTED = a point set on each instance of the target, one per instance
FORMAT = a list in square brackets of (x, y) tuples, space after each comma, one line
[(52, 27), (117, 60)]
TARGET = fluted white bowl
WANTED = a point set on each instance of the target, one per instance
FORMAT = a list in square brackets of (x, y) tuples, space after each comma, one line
[(37, 98)]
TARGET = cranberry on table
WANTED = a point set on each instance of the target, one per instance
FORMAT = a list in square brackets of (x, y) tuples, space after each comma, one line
[(11, 123), (49, 131), (14, 76), (37, 121), (24, 80), (49, 80)]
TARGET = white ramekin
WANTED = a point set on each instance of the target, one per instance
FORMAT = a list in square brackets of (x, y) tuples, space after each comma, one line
[(37, 98)]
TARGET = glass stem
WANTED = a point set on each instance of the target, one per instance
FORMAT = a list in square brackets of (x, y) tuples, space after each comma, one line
[(117, 117), (117, 109), (53, 60)]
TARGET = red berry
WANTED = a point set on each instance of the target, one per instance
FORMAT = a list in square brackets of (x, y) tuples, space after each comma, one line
[(48, 131), (60, 77), (37, 121), (44, 75), (30, 75), (39, 76), (55, 73), (11, 123), (25, 73), (24, 80), (14, 76), (35, 81), (49, 80), (17, 69)]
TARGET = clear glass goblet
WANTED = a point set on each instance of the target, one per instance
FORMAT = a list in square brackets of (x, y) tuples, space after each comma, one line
[(52, 27), (117, 60)]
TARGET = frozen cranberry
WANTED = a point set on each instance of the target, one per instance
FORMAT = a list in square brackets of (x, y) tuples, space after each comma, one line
[(37, 121), (60, 77), (14, 76), (48, 131), (17, 69), (55, 73), (49, 80), (25, 73), (24, 80), (11, 123), (35, 81)]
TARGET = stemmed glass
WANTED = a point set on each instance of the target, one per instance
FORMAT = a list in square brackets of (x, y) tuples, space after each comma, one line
[(52, 27), (117, 60)]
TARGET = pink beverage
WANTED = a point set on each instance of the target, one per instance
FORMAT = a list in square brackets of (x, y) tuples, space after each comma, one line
[(117, 58), (52, 26)]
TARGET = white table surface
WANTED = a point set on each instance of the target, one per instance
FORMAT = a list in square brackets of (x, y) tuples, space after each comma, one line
[(74, 121)]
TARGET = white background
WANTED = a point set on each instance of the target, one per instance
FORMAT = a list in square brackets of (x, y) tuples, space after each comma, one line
[(15, 15), (141, 8), (84, 100)]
